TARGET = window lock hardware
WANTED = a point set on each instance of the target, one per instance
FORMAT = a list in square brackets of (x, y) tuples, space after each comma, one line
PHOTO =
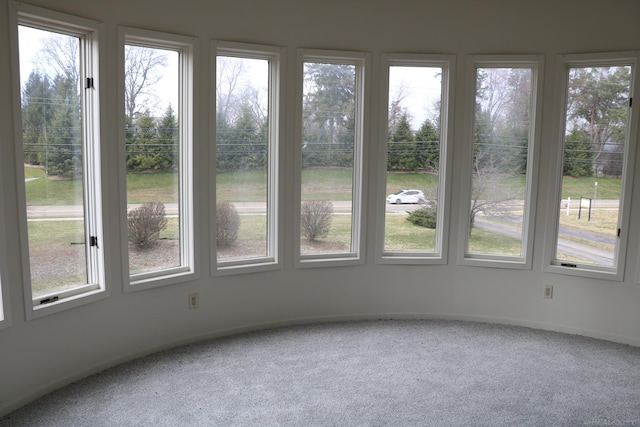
[(619, 231), (89, 83), (49, 300), (568, 264), (93, 241)]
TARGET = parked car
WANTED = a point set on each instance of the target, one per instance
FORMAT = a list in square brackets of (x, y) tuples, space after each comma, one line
[(406, 196)]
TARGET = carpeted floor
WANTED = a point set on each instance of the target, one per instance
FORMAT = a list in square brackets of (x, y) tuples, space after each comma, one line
[(376, 373)]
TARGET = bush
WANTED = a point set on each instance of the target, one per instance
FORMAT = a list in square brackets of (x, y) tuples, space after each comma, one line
[(228, 224), (145, 224), (315, 219), (424, 217)]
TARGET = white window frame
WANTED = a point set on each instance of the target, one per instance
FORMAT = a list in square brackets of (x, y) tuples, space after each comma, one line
[(552, 265), (187, 48), (536, 64), (448, 64), (92, 65), (5, 318), (277, 60), (361, 61)]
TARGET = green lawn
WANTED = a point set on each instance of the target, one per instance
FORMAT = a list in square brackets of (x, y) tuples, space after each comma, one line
[(608, 188)]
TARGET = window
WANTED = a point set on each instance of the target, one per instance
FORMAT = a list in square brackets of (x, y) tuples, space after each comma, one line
[(158, 156), (329, 143), (415, 126), (501, 176), (59, 146), (247, 126), (591, 213)]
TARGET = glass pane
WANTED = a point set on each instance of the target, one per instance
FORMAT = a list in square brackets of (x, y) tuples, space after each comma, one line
[(242, 158), (502, 128), (53, 164), (328, 142), (152, 112), (594, 146), (413, 159)]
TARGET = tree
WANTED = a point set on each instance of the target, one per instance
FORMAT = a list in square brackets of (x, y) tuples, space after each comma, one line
[(598, 104), (578, 156), (37, 112), (230, 89), (491, 193), (501, 129), (140, 149), (167, 139), (59, 55), (142, 72), (402, 150), (328, 114), (428, 144), (63, 150)]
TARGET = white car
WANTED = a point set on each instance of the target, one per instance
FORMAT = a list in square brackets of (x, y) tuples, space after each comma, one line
[(406, 196)]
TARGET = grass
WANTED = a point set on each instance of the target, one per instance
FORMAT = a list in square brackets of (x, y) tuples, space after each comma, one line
[(603, 221), (401, 235), (608, 188), (483, 242)]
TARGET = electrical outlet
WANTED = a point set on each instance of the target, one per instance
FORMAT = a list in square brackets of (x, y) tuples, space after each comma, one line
[(548, 291), (193, 301)]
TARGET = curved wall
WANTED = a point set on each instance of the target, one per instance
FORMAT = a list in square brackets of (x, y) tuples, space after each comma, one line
[(39, 355)]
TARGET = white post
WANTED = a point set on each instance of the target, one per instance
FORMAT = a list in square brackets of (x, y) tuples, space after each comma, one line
[(595, 193), (568, 205)]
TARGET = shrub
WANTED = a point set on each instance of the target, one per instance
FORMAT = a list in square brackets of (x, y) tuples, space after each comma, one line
[(145, 224), (228, 224), (315, 219), (424, 217)]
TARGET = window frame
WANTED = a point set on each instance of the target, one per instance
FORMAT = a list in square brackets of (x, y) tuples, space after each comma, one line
[(448, 65), (5, 316), (564, 63), (277, 61), (187, 48), (92, 64), (536, 64), (362, 63)]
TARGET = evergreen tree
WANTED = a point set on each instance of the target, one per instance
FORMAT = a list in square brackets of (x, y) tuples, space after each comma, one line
[(63, 151), (224, 153), (144, 144), (578, 156), (168, 138), (428, 142), (402, 150), (36, 116), (249, 146)]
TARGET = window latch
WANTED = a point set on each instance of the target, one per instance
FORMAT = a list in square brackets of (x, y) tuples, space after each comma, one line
[(49, 300), (89, 83), (93, 241)]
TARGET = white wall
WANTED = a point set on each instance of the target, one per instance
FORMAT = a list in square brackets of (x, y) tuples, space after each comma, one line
[(39, 355)]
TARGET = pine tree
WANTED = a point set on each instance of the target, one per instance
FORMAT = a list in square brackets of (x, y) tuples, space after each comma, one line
[(168, 151), (578, 156), (63, 150), (428, 142), (36, 117)]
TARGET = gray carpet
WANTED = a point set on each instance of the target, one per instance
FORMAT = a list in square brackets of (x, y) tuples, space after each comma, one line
[(376, 373)]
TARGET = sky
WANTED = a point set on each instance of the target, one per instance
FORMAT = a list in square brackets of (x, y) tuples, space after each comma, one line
[(31, 41), (420, 86)]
